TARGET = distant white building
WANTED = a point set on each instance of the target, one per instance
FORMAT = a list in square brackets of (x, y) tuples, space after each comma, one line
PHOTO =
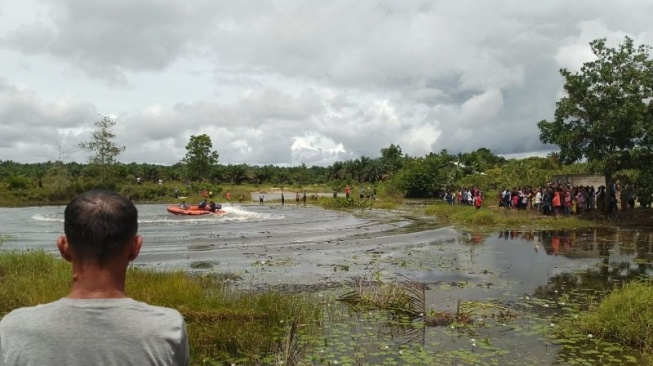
[(595, 180)]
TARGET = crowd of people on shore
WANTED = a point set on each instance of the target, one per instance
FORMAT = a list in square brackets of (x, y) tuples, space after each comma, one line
[(564, 199), (556, 198), (464, 197)]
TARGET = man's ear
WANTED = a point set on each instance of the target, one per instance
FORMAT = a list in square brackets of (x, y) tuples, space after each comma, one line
[(135, 248), (64, 248)]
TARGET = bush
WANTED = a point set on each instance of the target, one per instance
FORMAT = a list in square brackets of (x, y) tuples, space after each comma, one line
[(18, 182), (341, 203)]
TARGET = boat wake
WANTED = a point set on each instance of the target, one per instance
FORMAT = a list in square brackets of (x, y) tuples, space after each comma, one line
[(233, 214), (48, 217)]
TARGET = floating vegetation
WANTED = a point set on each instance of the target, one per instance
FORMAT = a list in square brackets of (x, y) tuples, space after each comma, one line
[(402, 296), (278, 262), (612, 330), (203, 264)]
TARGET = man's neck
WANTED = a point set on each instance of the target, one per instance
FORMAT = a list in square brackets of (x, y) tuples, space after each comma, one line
[(97, 282)]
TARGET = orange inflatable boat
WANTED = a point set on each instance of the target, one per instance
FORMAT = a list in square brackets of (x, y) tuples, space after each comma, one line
[(192, 210)]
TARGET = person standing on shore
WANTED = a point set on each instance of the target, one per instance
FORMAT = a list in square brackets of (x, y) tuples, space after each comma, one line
[(96, 324), (478, 201)]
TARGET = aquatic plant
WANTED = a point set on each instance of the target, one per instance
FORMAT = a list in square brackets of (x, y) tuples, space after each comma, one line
[(403, 296), (625, 315), (294, 348)]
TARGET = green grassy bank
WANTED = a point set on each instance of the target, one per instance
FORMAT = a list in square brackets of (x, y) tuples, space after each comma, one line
[(148, 192), (623, 317), (224, 326), (489, 218)]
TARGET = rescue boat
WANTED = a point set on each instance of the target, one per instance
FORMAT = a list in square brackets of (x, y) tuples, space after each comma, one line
[(193, 210)]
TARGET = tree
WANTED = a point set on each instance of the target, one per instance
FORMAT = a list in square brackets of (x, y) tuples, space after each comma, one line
[(236, 174), (199, 157), (606, 115), (423, 177), (391, 159), (102, 145), (480, 160)]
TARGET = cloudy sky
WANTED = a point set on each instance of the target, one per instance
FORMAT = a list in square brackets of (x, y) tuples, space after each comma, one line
[(291, 82)]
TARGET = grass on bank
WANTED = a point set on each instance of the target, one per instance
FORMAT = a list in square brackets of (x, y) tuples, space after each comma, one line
[(491, 218), (224, 325), (625, 316)]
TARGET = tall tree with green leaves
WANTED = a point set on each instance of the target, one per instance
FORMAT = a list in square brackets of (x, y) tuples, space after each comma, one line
[(391, 159), (101, 144), (199, 158), (424, 177), (606, 114)]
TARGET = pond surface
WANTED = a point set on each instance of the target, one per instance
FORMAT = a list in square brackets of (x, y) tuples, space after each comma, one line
[(516, 283)]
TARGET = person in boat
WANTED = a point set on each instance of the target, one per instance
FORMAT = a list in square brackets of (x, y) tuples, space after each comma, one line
[(202, 204), (101, 240), (183, 205), (212, 206)]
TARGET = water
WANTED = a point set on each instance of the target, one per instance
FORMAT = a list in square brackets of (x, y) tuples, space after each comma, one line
[(528, 274)]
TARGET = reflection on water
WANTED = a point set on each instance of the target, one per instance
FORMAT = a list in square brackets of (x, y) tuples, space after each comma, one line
[(624, 254), (538, 276)]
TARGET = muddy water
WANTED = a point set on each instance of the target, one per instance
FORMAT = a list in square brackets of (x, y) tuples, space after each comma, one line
[(532, 276)]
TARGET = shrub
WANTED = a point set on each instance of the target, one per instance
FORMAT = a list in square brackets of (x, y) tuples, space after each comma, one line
[(18, 182)]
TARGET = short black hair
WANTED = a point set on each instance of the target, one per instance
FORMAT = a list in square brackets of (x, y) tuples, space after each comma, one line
[(99, 224)]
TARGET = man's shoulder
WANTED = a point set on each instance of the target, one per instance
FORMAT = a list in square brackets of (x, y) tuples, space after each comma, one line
[(17, 316), (63, 304), (156, 308)]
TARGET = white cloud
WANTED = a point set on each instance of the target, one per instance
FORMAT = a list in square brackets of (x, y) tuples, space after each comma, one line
[(287, 82), (481, 108)]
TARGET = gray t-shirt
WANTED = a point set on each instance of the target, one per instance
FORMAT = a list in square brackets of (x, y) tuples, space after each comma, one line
[(93, 332)]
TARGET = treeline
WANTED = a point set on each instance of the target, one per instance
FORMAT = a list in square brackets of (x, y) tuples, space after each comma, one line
[(393, 172)]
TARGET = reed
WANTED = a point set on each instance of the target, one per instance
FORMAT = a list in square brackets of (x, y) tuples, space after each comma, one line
[(224, 325)]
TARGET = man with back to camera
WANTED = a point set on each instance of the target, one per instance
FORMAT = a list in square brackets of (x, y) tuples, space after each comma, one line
[(96, 324)]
